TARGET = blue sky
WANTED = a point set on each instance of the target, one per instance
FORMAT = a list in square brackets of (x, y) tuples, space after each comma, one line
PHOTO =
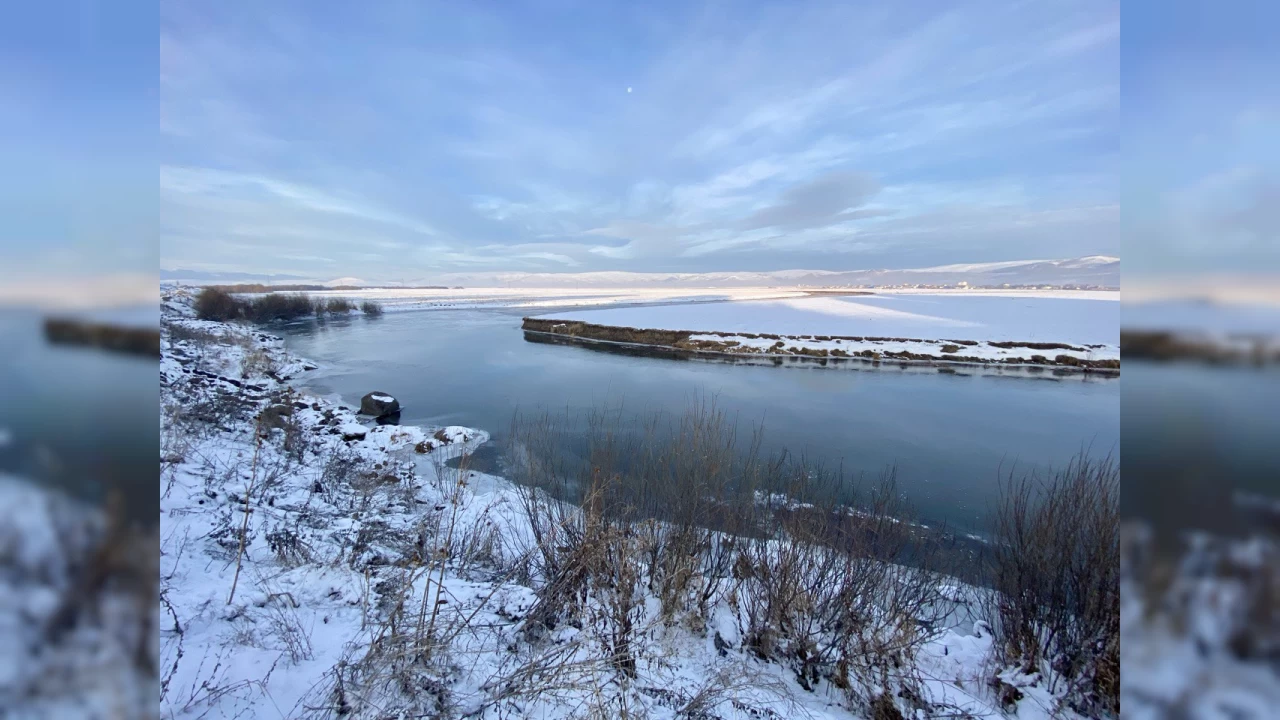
[(78, 95), (1201, 132), (399, 140)]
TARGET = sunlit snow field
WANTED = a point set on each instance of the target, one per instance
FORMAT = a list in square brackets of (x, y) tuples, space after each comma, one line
[(1088, 320)]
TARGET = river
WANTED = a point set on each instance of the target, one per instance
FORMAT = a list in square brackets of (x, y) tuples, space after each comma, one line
[(80, 419), (949, 435)]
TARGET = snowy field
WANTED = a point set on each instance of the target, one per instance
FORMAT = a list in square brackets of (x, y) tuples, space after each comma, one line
[(323, 566), (932, 316), (1200, 317), (919, 323)]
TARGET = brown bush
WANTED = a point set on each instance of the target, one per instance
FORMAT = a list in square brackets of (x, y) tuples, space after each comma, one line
[(217, 304), (1035, 345), (1055, 567), (339, 306), (278, 306), (848, 596)]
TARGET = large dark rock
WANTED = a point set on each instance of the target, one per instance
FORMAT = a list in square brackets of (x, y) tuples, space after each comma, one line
[(378, 404)]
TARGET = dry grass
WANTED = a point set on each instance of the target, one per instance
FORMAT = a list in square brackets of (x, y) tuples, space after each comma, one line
[(836, 587), (1055, 567)]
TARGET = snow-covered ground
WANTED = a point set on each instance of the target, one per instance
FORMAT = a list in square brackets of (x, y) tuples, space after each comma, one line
[(918, 323), (76, 644), (1197, 629), (952, 315), (302, 545)]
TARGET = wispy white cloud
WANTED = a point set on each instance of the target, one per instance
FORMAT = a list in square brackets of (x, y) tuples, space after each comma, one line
[(754, 136), (206, 183)]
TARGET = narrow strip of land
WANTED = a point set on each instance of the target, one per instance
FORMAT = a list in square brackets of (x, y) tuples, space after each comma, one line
[(838, 347)]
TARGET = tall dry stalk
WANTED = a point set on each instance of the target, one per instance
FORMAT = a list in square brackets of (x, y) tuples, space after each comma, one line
[(248, 497)]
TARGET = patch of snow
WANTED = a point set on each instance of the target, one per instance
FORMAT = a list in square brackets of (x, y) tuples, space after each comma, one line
[(953, 316), (1176, 654)]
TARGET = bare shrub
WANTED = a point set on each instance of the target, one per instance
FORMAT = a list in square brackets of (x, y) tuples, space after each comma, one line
[(278, 306), (217, 304), (671, 487), (843, 591), (371, 308), (289, 546), (838, 593), (339, 306), (257, 363), (1055, 567)]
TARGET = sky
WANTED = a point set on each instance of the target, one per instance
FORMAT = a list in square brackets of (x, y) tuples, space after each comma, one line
[(79, 87), (1201, 131), (401, 140)]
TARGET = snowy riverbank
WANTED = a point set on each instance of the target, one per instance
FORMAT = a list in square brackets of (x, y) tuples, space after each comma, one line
[(316, 564)]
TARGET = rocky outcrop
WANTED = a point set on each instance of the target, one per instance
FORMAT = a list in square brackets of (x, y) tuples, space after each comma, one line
[(379, 404)]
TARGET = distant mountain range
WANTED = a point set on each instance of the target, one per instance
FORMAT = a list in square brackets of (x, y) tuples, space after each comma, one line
[(1095, 270)]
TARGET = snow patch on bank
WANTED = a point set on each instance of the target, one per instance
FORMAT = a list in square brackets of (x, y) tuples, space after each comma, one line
[(925, 316)]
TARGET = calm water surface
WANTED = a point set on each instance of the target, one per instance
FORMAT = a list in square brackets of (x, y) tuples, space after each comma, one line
[(1196, 434), (948, 435), (79, 419)]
